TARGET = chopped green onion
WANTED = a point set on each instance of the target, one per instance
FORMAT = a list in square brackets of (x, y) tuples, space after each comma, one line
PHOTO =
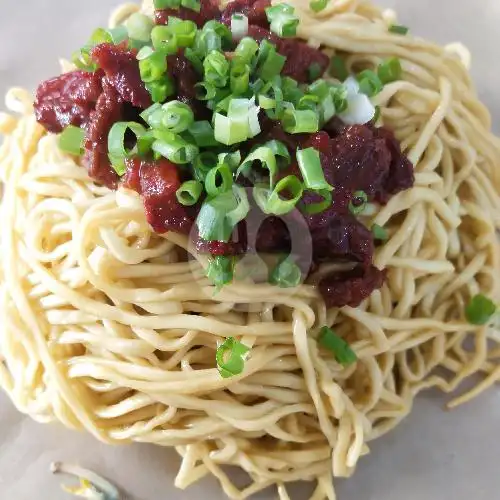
[(164, 40), (246, 50), (203, 163), (312, 172), (390, 70), (339, 95), (377, 114), (399, 30), (184, 31), (189, 193), (139, 27), (379, 233), (239, 26), (241, 123), (205, 91), (358, 203), (216, 68), (318, 5), (480, 310), (296, 121), (286, 274), (161, 89), (314, 71), (219, 216), (269, 62), (194, 59), (338, 68), (117, 151), (265, 156), (71, 140), (280, 151), (231, 354), (341, 349), (166, 4), (369, 83), (222, 30), (153, 115), (283, 20), (270, 202), (192, 5), (308, 101), (177, 116), (151, 66), (232, 159), (118, 34), (203, 134), (321, 206), (239, 78), (291, 91), (219, 180), (174, 148)]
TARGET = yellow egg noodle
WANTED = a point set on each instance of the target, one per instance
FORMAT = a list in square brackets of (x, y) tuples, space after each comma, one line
[(106, 327)]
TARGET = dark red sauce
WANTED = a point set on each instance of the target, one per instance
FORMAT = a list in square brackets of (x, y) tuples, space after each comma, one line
[(355, 158)]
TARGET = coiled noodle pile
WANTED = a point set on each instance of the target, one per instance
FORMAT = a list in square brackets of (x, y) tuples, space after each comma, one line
[(107, 327)]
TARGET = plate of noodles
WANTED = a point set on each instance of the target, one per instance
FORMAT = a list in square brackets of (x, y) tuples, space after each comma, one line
[(248, 240)]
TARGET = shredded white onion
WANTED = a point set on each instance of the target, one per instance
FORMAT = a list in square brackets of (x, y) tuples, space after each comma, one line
[(239, 26)]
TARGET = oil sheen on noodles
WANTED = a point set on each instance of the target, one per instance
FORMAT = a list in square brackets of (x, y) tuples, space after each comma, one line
[(98, 330)]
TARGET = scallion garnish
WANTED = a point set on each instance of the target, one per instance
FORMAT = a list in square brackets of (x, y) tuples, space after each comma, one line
[(269, 61), (358, 203), (166, 4), (239, 78), (189, 193), (152, 65), (203, 134), (240, 124), (71, 140), (161, 89), (480, 310), (184, 31), (246, 50), (338, 68), (164, 40), (318, 5), (339, 347), (117, 150), (283, 20), (216, 69), (271, 202), (265, 157), (203, 163), (192, 5), (174, 147), (312, 172), (296, 121), (399, 30), (379, 233), (219, 180), (280, 151), (230, 357), (139, 27), (177, 116), (232, 159), (314, 71), (390, 70), (320, 206), (369, 83), (286, 274), (239, 26)]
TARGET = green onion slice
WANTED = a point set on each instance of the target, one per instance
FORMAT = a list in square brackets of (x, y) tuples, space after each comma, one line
[(189, 193), (174, 148), (379, 233), (203, 163), (269, 62), (166, 4), (177, 116), (399, 30), (390, 70), (338, 68), (239, 78), (480, 310), (314, 71), (161, 89), (71, 140), (297, 121), (216, 69), (280, 151), (318, 5), (283, 20), (270, 201), (369, 83), (286, 274), (117, 151), (312, 172), (232, 159), (246, 50), (152, 65), (321, 206), (184, 31), (230, 357), (203, 134), (358, 203), (219, 180), (239, 26), (164, 40), (139, 27), (266, 158), (192, 5), (339, 347)]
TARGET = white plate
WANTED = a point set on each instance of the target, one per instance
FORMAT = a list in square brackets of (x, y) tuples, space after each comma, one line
[(433, 455)]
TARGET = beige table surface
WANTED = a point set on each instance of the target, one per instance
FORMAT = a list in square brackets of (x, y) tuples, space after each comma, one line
[(433, 455)]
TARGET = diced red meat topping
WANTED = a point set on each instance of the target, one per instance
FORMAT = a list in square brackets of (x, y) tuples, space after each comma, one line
[(122, 71), (350, 288), (255, 10), (157, 181), (109, 110), (236, 246), (68, 99), (299, 55), (209, 10)]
